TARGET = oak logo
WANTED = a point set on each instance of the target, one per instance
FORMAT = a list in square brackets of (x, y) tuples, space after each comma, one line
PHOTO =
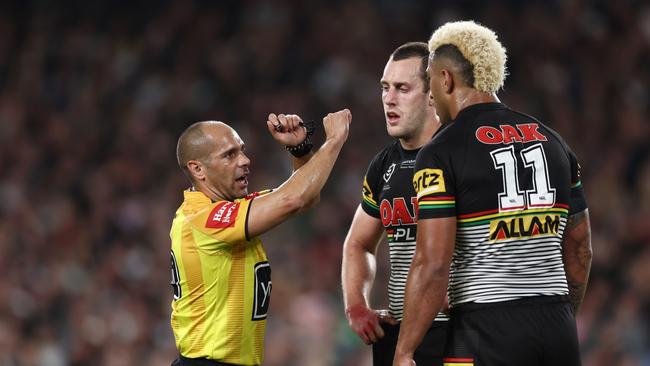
[(398, 213), (223, 215), (507, 134), (524, 227), (428, 181), (262, 295)]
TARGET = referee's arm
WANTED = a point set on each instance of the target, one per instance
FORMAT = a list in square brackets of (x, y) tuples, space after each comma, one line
[(297, 193), (576, 255), (426, 286)]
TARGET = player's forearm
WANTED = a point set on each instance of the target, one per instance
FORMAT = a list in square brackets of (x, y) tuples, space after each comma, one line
[(426, 288), (357, 275), (306, 183), (577, 254)]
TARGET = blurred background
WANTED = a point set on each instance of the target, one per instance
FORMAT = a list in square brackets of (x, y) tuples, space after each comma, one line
[(94, 95)]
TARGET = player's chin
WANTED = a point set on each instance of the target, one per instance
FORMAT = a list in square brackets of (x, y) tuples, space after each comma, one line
[(394, 131)]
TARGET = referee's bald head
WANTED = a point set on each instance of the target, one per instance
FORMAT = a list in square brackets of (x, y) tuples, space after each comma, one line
[(197, 142)]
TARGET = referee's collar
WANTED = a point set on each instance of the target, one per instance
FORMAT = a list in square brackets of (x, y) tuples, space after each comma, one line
[(196, 197)]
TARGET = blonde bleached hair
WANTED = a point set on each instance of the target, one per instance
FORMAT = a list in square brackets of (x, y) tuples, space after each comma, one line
[(480, 46)]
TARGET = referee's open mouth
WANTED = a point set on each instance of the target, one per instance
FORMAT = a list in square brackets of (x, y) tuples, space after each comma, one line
[(242, 180)]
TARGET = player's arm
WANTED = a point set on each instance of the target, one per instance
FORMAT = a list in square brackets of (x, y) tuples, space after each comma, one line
[(305, 184), (358, 274), (426, 286), (577, 253)]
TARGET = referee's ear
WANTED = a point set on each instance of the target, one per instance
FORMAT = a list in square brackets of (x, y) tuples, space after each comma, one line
[(196, 170)]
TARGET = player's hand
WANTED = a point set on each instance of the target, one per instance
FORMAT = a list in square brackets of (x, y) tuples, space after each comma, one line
[(366, 322), (337, 125), (286, 129), (445, 306)]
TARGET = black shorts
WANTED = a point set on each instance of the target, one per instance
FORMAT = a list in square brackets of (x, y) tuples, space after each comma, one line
[(184, 361), (428, 353), (533, 332)]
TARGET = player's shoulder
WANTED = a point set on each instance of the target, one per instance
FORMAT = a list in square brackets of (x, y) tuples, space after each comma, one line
[(546, 130), (447, 136), (385, 154)]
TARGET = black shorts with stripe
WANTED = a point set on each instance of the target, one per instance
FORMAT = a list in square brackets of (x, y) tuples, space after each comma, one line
[(537, 331), (428, 353)]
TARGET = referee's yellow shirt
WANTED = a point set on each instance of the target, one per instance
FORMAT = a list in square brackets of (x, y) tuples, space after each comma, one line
[(221, 281)]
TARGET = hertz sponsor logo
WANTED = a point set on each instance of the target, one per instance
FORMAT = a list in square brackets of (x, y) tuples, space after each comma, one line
[(524, 227), (428, 181)]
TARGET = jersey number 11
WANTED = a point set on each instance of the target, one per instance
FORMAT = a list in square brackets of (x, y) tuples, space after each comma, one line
[(512, 198)]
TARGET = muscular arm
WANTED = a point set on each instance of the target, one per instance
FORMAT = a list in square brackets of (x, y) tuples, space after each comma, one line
[(577, 253), (359, 262), (297, 164), (304, 185), (426, 285)]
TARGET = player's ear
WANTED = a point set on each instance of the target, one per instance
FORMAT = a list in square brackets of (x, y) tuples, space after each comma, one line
[(196, 169), (447, 81)]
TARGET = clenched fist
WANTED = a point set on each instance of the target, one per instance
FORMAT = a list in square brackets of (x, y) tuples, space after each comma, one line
[(337, 125), (288, 129)]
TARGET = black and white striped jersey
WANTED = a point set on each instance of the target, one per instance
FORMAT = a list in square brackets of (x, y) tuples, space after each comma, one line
[(388, 195), (511, 182)]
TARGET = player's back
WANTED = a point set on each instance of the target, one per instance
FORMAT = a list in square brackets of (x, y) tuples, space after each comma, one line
[(508, 178)]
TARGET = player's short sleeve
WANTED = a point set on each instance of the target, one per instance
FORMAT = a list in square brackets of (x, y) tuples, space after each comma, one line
[(577, 200), (434, 183), (370, 189)]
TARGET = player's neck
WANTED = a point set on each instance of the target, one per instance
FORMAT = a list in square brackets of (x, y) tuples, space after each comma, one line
[(421, 138), (466, 97)]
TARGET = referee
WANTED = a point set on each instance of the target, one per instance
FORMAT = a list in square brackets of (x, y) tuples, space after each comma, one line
[(502, 219), (221, 277)]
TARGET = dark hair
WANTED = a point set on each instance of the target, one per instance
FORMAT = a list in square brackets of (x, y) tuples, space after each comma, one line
[(451, 52), (411, 50)]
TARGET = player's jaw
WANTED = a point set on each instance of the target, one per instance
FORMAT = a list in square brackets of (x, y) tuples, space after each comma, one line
[(394, 122), (398, 124)]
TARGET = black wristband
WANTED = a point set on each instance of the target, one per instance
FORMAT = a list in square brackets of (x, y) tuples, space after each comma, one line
[(306, 145), (301, 149)]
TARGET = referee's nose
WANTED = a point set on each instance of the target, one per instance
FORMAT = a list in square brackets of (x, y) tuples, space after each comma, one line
[(243, 160)]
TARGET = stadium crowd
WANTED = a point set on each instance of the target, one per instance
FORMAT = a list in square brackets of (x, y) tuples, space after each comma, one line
[(93, 97)]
